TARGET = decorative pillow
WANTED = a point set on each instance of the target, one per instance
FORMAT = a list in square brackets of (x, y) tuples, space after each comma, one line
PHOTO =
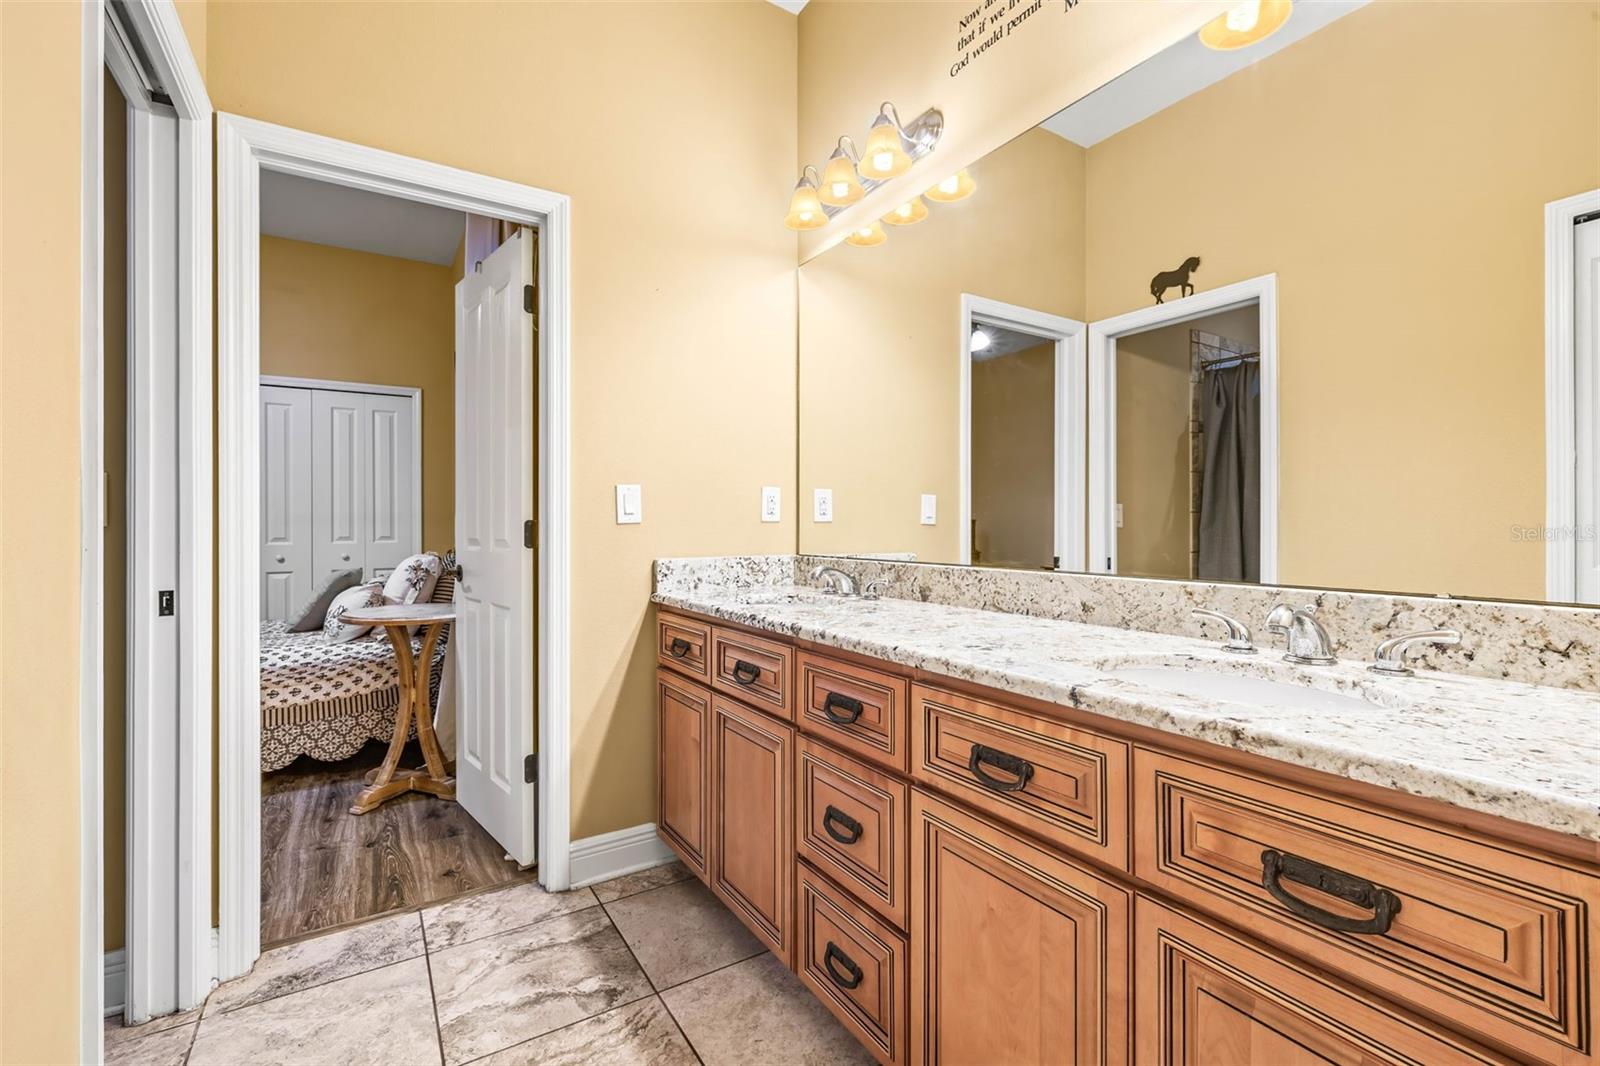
[(312, 615), (335, 631), (413, 580)]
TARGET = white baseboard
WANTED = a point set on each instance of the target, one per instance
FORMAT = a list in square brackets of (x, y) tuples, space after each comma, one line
[(600, 858), (116, 977)]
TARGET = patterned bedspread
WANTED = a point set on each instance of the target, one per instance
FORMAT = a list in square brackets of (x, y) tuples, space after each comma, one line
[(327, 700)]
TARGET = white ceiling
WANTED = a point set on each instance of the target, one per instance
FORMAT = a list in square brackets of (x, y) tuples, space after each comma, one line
[(791, 6), (1003, 341), (323, 213), (1180, 71)]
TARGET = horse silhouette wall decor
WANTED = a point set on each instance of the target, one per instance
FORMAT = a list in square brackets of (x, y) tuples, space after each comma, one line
[(1178, 279)]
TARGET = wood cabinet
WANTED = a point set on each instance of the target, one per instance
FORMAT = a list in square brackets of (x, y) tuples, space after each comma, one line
[(967, 877), (752, 820)]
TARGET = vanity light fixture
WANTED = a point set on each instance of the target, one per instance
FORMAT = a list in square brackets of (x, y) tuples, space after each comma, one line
[(841, 186), (805, 207), (908, 214), (868, 236), (885, 154), (957, 186), (1244, 25)]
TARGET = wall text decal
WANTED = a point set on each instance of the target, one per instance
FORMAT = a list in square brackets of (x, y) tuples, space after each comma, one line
[(992, 21)]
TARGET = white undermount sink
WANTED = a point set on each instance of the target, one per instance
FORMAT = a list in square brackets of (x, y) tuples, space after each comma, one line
[(1239, 688)]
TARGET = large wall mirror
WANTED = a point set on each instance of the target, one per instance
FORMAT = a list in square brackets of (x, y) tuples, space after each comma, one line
[(1316, 311)]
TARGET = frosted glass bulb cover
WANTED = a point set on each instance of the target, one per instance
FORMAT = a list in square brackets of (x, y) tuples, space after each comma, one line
[(908, 214), (980, 340), (883, 154), (867, 236), (840, 185), (957, 186), (1245, 24)]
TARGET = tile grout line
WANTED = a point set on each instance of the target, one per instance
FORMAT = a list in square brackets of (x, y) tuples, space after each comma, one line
[(651, 981), (433, 994)]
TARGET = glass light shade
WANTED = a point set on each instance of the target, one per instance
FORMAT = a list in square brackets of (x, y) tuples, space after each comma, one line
[(957, 186), (980, 340), (840, 185), (805, 209), (908, 214), (883, 157), (869, 236), (1244, 25)]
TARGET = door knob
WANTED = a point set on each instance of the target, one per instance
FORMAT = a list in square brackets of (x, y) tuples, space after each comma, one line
[(278, 558), (345, 557)]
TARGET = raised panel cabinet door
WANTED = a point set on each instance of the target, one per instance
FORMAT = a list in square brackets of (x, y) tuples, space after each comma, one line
[(1017, 954), (683, 724), (752, 821), (1207, 996), (286, 578)]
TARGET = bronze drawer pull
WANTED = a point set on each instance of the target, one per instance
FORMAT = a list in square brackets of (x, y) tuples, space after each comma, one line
[(746, 673), (850, 825), (1277, 867), (854, 971), (1011, 764), (679, 647), (851, 707)]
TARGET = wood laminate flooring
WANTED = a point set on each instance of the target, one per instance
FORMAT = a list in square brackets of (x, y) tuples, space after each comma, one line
[(322, 866)]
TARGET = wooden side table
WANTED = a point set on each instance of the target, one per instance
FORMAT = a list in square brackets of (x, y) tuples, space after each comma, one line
[(388, 781)]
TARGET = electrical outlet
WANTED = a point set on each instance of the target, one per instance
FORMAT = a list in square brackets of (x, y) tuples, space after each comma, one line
[(630, 505), (822, 505), (771, 503), (930, 509)]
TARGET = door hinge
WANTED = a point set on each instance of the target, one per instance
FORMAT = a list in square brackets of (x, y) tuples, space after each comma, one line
[(527, 533), (1055, 562), (530, 769), (527, 298)]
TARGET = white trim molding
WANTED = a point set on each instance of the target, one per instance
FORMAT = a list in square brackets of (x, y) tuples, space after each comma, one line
[(245, 148), (114, 976), (625, 851), (1068, 335), (1263, 293), (1560, 393)]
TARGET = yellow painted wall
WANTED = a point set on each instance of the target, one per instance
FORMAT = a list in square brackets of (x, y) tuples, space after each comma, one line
[(40, 108), (880, 338), (340, 315), (1402, 213), (683, 290), (1013, 464)]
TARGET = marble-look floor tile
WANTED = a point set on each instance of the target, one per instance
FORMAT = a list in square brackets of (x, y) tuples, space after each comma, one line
[(642, 881), (321, 959), (117, 1033), (640, 1034), (507, 988), (161, 1047), (383, 1016), (681, 931), (758, 1011), (500, 911)]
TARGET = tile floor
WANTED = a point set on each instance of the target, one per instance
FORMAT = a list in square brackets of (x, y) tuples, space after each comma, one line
[(649, 968)]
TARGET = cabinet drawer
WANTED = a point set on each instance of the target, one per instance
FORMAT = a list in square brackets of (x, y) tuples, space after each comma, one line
[(684, 644), (854, 964), (856, 708), (850, 822), (1207, 996), (683, 744), (1489, 939), (1069, 786), (1018, 955), (756, 670)]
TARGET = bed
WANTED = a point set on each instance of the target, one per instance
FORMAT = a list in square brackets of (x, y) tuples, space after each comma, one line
[(327, 700)]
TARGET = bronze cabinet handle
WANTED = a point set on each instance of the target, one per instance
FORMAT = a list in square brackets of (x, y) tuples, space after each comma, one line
[(746, 673), (851, 707), (853, 974), (1011, 764), (1277, 867), (678, 648), (852, 828)]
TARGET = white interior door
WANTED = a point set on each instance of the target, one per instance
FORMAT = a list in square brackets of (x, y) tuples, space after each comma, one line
[(285, 500), (338, 482), (1586, 354), (494, 501), (392, 504)]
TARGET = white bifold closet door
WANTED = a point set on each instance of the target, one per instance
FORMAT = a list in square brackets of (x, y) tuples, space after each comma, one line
[(340, 488)]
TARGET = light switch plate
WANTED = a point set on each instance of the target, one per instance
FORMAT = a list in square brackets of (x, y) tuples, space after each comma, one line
[(930, 509), (822, 505), (1119, 516), (771, 503), (630, 505)]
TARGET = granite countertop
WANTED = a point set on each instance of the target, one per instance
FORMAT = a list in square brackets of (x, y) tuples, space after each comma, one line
[(1524, 752)]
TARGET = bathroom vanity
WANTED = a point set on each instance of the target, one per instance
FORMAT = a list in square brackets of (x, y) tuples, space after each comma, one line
[(976, 838)]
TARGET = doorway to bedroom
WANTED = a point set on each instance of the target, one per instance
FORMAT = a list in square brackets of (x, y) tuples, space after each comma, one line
[(374, 373)]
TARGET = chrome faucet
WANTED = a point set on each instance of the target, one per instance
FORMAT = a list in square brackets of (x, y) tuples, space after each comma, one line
[(1390, 658), (835, 580), (1309, 644), (1238, 640), (874, 589)]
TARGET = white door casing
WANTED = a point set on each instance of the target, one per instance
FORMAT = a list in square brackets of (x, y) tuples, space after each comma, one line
[(1586, 354), (286, 579), (1564, 400), (494, 498)]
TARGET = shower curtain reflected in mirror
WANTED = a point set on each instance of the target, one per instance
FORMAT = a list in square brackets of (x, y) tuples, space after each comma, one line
[(1230, 491)]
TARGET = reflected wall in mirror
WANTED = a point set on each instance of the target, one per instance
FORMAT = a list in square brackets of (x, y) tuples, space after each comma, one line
[(1354, 393)]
